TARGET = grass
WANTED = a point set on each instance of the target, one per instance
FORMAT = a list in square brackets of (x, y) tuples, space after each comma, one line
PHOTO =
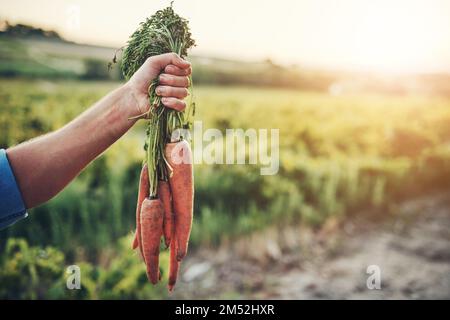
[(338, 154)]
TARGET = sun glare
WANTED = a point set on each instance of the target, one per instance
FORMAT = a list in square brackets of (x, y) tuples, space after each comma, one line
[(393, 37), (383, 35)]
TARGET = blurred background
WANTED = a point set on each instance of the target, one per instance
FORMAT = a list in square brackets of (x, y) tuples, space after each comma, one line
[(360, 91)]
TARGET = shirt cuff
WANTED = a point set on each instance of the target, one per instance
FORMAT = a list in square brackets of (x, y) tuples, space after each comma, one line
[(12, 207)]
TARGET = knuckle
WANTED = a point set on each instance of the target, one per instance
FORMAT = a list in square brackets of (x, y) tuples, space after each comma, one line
[(172, 92), (160, 90), (150, 59), (168, 80)]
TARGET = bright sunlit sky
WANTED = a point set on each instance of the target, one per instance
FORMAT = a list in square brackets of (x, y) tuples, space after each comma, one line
[(383, 35)]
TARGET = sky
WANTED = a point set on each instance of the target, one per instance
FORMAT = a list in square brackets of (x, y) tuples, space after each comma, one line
[(383, 35)]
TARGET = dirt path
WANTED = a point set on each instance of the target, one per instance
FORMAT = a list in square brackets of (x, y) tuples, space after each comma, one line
[(411, 248)]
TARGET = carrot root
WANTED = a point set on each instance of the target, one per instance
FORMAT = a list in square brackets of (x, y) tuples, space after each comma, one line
[(144, 187), (164, 194), (174, 266), (179, 156), (152, 229), (135, 243)]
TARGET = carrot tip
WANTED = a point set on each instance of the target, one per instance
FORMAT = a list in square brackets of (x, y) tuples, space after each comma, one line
[(152, 279), (170, 287), (181, 255), (134, 244)]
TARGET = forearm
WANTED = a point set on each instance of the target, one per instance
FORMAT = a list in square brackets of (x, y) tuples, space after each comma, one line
[(45, 165)]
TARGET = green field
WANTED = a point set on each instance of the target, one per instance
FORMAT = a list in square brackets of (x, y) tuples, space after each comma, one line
[(338, 155)]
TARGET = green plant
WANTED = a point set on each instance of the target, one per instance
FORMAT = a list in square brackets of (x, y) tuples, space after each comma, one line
[(163, 32), (28, 272)]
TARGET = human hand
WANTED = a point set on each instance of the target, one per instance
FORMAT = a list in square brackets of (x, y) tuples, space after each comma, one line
[(173, 83), (41, 175)]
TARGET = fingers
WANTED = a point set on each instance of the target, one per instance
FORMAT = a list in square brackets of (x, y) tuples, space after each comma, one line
[(167, 91), (173, 88), (163, 60), (174, 103), (174, 81), (176, 71)]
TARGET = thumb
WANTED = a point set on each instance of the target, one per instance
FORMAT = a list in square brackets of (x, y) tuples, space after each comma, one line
[(165, 59)]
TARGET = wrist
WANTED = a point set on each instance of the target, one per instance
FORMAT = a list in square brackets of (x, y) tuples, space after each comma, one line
[(129, 105), (136, 103), (117, 108)]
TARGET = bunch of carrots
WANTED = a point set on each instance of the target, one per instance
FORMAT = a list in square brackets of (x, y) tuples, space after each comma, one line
[(170, 214), (166, 187)]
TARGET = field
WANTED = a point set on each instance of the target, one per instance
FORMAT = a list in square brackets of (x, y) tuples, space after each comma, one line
[(339, 155)]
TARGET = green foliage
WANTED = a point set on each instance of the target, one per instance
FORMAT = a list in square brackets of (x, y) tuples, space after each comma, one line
[(27, 272), (95, 69), (44, 59), (338, 155), (17, 58), (40, 273), (165, 31)]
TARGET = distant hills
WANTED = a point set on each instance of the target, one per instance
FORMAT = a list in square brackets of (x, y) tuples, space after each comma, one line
[(28, 51), (27, 31)]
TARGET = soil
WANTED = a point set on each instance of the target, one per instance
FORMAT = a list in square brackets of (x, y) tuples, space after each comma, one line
[(410, 247)]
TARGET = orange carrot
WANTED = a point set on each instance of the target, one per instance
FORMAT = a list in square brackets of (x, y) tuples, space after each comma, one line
[(165, 197), (152, 214), (169, 233), (179, 157), (144, 187), (174, 265), (135, 243)]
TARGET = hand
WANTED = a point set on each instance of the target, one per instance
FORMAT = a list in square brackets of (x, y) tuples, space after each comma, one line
[(42, 174), (173, 82)]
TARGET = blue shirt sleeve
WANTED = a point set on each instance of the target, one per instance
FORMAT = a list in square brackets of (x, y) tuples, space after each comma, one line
[(12, 207)]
